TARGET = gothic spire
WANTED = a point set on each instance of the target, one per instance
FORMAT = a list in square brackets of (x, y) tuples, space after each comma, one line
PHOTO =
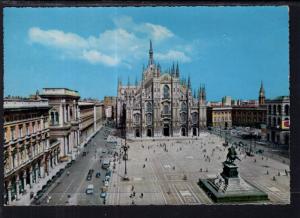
[(151, 61), (261, 90), (173, 70), (177, 70), (203, 93), (136, 82), (128, 82), (189, 82)]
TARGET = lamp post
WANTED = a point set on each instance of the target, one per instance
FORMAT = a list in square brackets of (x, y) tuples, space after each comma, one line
[(125, 148)]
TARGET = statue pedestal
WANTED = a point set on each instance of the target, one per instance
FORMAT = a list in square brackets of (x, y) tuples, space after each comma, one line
[(230, 187)]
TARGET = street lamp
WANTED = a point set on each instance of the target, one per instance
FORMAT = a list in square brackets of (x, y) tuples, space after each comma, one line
[(125, 157)]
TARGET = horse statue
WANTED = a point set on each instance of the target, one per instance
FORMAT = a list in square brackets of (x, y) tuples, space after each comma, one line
[(231, 155)]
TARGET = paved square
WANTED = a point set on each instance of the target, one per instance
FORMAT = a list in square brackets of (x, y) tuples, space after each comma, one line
[(169, 174)]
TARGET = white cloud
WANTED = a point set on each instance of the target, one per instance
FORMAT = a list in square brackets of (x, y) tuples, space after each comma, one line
[(173, 55), (158, 32), (124, 44), (56, 38), (95, 57), (151, 31)]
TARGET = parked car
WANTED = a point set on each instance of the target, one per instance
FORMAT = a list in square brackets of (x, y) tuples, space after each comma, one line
[(90, 189), (108, 173), (105, 164), (98, 174), (106, 183), (89, 177)]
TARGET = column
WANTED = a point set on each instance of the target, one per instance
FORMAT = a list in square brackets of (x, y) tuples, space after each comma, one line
[(65, 146), (69, 117), (9, 192), (65, 113), (30, 176), (17, 187), (48, 164), (17, 157), (36, 168), (61, 115), (78, 112), (24, 179), (53, 156), (56, 156), (78, 139), (42, 167), (70, 143), (74, 110), (42, 123)]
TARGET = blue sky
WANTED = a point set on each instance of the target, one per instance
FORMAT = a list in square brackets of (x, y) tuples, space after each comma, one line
[(229, 49)]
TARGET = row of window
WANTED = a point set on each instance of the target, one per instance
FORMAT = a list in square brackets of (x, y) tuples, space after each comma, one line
[(275, 122), (17, 117), (19, 131), (23, 155), (276, 109)]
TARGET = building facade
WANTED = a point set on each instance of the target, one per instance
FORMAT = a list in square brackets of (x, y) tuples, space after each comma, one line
[(219, 116), (161, 104), (109, 106), (64, 120), (90, 113), (252, 116), (29, 153), (278, 120), (252, 113)]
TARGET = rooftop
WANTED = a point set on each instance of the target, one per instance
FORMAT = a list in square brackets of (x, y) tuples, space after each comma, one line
[(60, 91), (24, 103)]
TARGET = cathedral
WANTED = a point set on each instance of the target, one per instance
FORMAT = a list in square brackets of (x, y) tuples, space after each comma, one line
[(161, 104)]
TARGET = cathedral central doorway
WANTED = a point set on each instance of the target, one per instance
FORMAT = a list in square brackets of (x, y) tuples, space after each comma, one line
[(166, 131), (194, 131), (149, 133)]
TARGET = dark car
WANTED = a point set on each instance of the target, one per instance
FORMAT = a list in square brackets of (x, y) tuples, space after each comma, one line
[(84, 153), (98, 174), (108, 173), (89, 177), (260, 151)]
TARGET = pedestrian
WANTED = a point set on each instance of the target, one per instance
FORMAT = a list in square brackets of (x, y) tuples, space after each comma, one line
[(132, 188), (144, 166), (142, 195)]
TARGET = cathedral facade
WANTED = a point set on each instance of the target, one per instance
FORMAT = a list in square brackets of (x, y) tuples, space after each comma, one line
[(161, 104)]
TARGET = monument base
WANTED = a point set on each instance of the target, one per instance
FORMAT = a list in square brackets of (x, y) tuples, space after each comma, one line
[(229, 187)]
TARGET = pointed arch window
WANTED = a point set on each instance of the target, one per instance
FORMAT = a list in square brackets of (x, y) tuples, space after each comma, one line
[(183, 106), (166, 91), (148, 107)]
